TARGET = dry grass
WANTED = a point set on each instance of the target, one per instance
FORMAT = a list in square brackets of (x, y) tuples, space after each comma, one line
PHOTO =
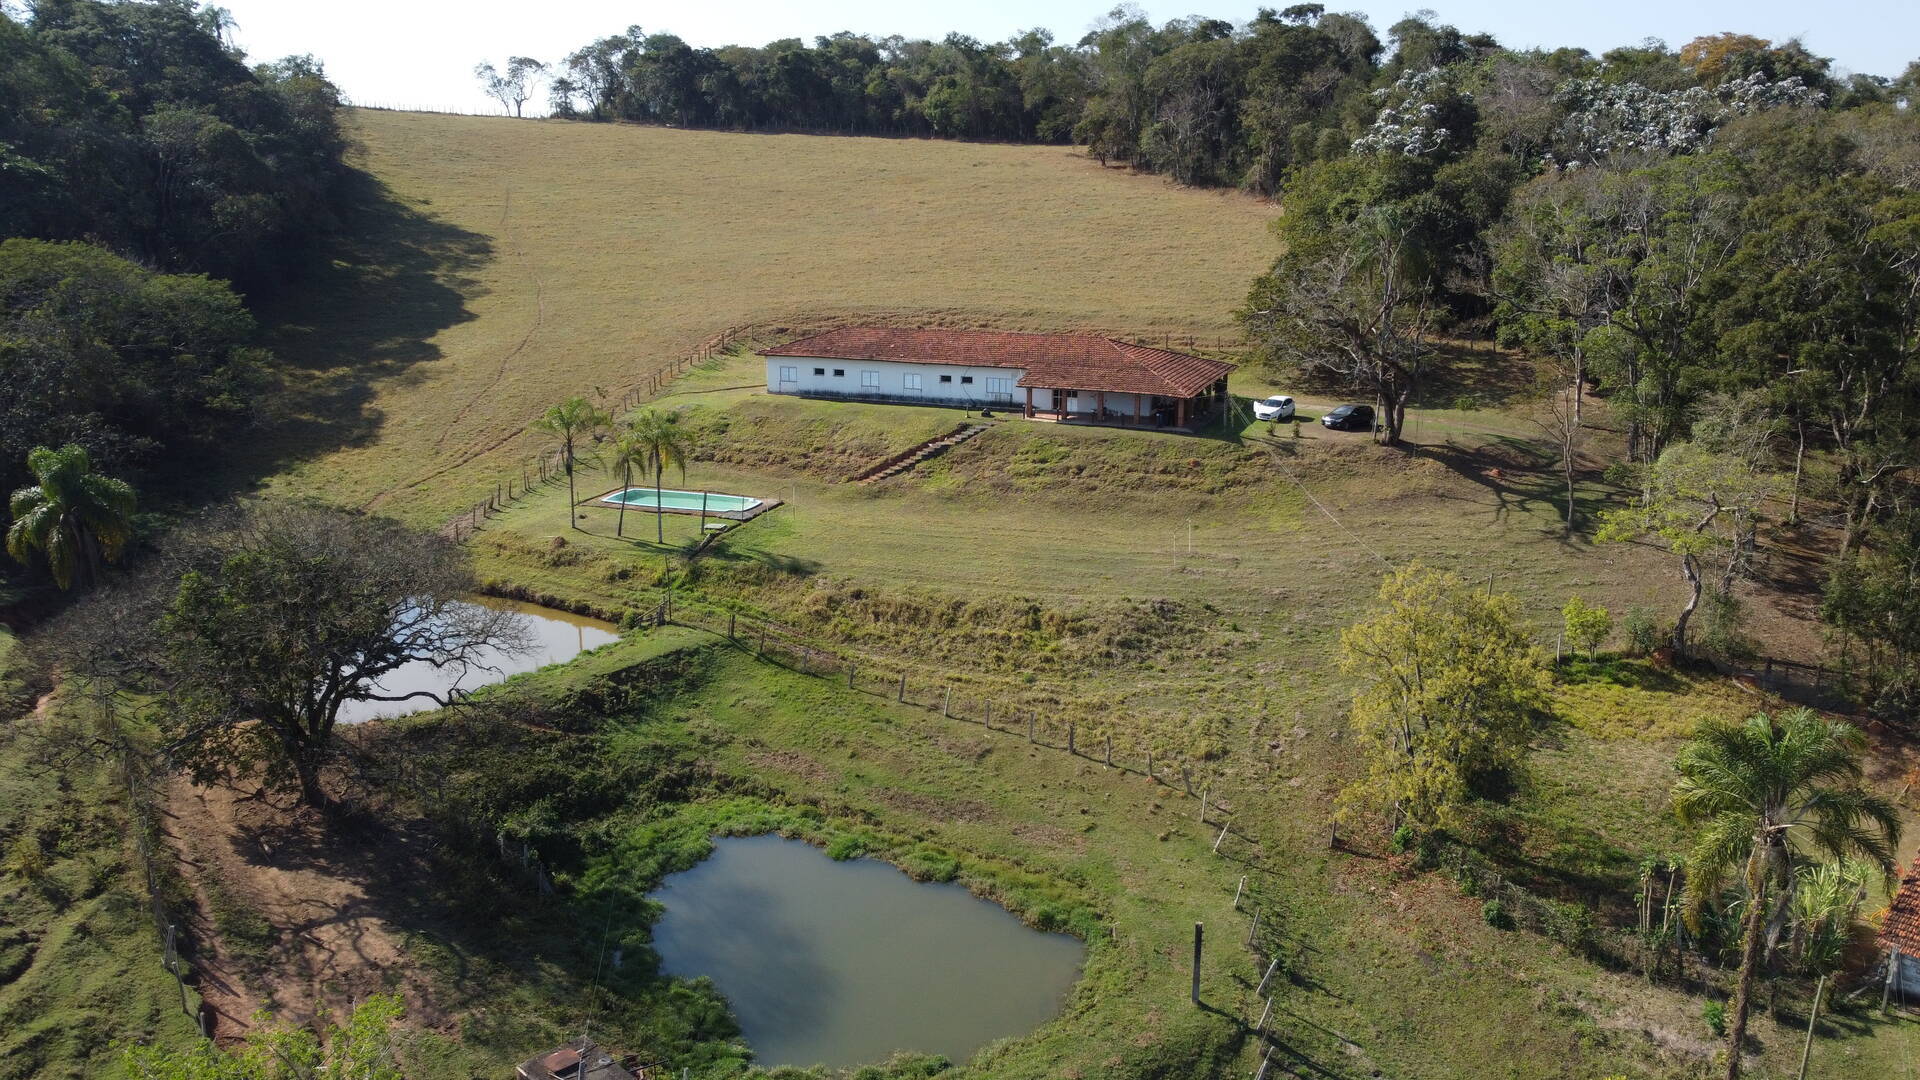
[(531, 260)]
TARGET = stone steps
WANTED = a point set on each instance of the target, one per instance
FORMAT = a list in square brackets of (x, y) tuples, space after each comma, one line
[(929, 449)]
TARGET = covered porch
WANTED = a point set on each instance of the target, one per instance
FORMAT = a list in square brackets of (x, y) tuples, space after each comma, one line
[(1124, 409)]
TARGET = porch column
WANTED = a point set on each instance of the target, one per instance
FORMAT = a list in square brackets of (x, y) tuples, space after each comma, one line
[(1099, 404), (1180, 413), (1029, 402), (1136, 408)]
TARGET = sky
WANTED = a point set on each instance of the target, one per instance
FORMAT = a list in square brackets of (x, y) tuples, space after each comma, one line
[(422, 52)]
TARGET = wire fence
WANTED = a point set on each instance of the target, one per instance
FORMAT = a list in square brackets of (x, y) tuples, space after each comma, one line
[(166, 905)]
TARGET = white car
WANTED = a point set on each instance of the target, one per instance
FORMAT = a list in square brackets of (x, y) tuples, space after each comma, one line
[(1277, 407)]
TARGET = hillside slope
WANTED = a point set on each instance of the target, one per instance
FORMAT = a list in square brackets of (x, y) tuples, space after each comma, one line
[(503, 265)]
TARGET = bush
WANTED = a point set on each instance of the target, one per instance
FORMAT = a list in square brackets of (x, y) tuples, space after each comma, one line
[(1715, 1014), (1587, 625), (1643, 633), (1403, 838), (1494, 914)]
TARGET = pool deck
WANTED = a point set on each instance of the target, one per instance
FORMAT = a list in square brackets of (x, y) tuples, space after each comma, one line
[(600, 500)]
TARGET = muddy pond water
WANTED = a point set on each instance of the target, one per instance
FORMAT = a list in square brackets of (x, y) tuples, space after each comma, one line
[(841, 963), (554, 635)]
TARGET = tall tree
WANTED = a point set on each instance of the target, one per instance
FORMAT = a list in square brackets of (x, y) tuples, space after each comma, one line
[(1449, 685), (571, 424), (74, 518), (658, 442), (283, 615), (514, 87), (1763, 795)]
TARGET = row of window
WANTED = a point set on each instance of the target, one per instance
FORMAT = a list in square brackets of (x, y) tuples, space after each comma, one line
[(870, 380)]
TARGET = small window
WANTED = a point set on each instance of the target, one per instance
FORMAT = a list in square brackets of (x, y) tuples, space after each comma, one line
[(789, 374), (946, 378), (870, 380), (819, 371), (910, 381), (839, 373), (999, 386), (966, 380)]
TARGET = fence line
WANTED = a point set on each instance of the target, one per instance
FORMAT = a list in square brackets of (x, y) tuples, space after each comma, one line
[(169, 923)]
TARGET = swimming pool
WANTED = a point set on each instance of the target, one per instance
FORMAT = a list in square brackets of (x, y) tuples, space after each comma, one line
[(713, 502)]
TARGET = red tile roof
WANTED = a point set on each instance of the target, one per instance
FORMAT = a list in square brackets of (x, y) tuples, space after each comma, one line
[(1902, 929), (1061, 361)]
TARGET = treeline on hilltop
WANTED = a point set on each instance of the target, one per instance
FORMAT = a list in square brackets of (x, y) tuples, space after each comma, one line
[(149, 177), (1198, 99)]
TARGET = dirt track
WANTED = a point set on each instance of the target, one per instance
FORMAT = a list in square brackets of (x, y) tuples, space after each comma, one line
[(324, 895)]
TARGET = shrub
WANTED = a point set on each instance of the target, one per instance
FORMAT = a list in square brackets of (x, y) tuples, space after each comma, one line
[(1403, 838), (1643, 633), (1715, 1014), (1494, 914), (1588, 625)]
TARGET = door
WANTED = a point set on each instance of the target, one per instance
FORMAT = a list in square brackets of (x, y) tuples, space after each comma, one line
[(789, 380)]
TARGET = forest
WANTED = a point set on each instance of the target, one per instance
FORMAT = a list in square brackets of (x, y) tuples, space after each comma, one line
[(151, 183), (1199, 99)]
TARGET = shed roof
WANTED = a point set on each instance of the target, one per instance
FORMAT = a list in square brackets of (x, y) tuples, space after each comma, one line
[(1062, 361), (1902, 928)]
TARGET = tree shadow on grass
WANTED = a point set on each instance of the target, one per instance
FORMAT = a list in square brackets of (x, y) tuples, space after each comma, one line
[(376, 294)]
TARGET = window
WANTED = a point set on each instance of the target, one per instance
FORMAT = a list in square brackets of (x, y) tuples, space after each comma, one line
[(999, 386), (789, 374), (966, 380), (819, 371), (910, 381), (839, 372), (869, 380), (946, 378)]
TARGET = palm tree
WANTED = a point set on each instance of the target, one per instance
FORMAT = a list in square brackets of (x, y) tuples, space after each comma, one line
[(627, 452), (1764, 794), (567, 423), (75, 517), (1826, 900), (659, 443)]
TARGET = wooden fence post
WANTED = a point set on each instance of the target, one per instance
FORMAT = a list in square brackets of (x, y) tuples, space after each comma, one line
[(946, 703), (732, 618), (1262, 988), (1197, 933), (851, 668), (1254, 929), (1150, 775), (1030, 715), (1109, 749), (1237, 890), (903, 687), (1205, 793), (1070, 748), (989, 720)]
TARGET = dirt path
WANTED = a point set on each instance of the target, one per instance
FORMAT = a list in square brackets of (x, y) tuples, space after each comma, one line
[(290, 914)]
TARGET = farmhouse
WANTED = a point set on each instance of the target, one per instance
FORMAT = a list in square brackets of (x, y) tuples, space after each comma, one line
[(1065, 377), (1900, 937)]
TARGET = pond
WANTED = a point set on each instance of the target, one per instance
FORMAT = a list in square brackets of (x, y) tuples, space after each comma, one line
[(841, 963), (554, 635)]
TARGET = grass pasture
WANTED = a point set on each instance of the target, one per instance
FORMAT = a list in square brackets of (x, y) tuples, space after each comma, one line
[(504, 265)]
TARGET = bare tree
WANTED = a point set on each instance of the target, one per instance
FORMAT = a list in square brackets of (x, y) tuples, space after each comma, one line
[(1559, 420), (515, 87)]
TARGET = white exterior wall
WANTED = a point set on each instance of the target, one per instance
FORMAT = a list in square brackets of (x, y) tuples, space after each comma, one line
[(1088, 401), (892, 375)]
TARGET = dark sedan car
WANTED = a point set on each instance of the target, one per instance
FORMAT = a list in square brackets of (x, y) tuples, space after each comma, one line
[(1350, 418)]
